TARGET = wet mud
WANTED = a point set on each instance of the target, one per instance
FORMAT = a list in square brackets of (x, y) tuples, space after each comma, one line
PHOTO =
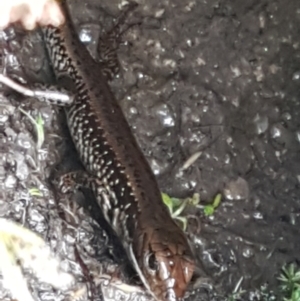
[(217, 78)]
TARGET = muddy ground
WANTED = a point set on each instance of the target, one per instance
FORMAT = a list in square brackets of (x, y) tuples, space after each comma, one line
[(217, 77)]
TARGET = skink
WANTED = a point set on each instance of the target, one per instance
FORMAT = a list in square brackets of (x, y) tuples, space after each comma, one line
[(118, 173)]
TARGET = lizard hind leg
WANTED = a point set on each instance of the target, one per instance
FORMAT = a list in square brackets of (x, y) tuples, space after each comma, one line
[(72, 181)]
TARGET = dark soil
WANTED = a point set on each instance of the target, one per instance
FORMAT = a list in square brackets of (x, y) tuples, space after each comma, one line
[(219, 77)]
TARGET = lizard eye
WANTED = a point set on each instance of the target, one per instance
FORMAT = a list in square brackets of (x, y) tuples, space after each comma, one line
[(151, 263)]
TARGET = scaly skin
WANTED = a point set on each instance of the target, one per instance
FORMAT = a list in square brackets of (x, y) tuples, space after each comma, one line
[(119, 175)]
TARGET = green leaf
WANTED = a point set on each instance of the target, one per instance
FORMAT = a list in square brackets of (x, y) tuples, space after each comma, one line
[(35, 192), (176, 202), (168, 202), (183, 220), (290, 282), (217, 200), (39, 127), (40, 131), (296, 295), (209, 210), (176, 206), (179, 210), (195, 199)]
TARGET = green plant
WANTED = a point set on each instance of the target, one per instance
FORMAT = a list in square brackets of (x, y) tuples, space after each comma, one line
[(290, 283), (35, 192), (176, 206), (210, 208), (39, 127)]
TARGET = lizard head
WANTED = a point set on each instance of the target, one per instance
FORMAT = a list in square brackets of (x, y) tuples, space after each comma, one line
[(165, 263)]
